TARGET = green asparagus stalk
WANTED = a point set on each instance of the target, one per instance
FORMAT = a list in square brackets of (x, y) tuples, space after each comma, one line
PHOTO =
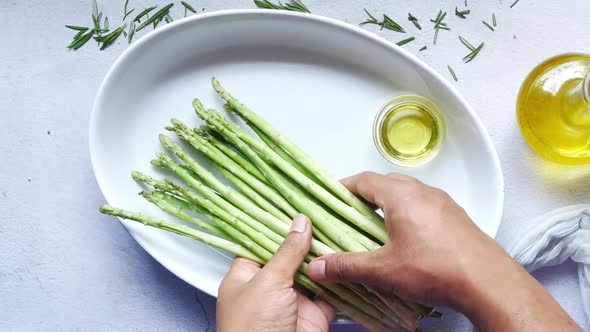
[(235, 162), (232, 154), (177, 208), (348, 239), (252, 194), (209, 239), (350, 309), (217, 157), (263, 218), (335, 186), (375, 229)]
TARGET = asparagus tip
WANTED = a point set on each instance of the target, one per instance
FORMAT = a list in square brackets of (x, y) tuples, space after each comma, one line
[(169, 128), (106, 209), (157, 163), (166, 141)]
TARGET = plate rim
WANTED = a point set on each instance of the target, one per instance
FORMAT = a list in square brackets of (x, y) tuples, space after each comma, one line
[(347, 28)]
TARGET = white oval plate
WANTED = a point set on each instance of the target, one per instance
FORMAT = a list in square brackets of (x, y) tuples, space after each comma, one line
[(318, 80)]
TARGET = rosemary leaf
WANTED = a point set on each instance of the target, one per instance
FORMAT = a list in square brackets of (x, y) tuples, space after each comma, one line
[(514, 3), (106, 23), (423, 48), (405, 41), (131, 32), (76, 27), (487, 25), (189, 7), (473, 53), (293, 5), (81, 40), (157, 17), (493, 19), (128, 13), (109, 39), (387, 22), (414, 20), (452, 73), (466, 43), (143, 13), (462, 13)]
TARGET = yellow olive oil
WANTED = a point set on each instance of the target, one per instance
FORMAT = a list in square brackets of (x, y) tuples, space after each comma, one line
[(553, 109), (408, 130)]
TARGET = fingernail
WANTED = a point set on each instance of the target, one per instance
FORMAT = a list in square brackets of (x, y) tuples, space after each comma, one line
[(299, 223), (317, 269)]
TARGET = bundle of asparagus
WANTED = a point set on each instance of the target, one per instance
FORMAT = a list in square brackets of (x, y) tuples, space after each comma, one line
[(273, 180)]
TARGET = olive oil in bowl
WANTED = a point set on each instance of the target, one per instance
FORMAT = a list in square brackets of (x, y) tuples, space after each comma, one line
[(408, 131), (553, 109)]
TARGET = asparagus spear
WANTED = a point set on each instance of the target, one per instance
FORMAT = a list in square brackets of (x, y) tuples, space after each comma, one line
[(345, 239), (200, 143), (209, 239), (350, 309), (282, 141), (375, 229), (177, 207)]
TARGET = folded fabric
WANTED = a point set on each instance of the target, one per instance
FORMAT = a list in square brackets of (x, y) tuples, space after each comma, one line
[(555, 237)]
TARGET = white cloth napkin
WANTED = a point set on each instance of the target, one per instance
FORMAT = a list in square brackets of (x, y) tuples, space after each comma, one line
[(555, 237)]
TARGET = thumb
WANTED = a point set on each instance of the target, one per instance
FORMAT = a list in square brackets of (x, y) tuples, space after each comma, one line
[(285, 262), (344, 267)]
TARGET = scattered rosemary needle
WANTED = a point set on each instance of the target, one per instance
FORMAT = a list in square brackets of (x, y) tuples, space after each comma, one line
[(439, 24), (414, 20), (131, 32), (80, 40), (293, 5), (405, 41), (125, 12), (157, 17), (469, 57), (143, 13), (109, 39), (106, 23), (187, 7), (466, 43), (514, 3), (76, 27), (452, 73), (493, 19), (487, 25), (462, 13), (423, 48), (386, 23)]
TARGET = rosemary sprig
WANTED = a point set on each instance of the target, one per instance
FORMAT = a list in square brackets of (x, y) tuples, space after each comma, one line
[(80, 39), (386, 23), (414, 20), (423, 48), (493, 19), (466, 43), (487, 25), (469, 57), (462, 13), (109, 39), (439, 24), (157, 17), (405, 41), (452, 73), (143, 13), (125, 12), (514, 3), (77, 27), (293, 5)]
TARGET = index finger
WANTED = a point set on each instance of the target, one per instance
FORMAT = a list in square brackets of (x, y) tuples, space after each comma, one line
[(374, 187)]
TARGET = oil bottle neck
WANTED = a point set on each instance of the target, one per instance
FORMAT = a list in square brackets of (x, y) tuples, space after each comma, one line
[(577, 103)]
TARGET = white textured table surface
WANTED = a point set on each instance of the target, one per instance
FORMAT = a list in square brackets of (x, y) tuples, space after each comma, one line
[(63, 266)]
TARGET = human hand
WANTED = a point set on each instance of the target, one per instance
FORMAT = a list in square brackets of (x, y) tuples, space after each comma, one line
[(255, 298), (438, 256)]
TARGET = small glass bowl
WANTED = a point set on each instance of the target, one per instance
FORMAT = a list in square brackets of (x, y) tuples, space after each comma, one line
[(416, 104)]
